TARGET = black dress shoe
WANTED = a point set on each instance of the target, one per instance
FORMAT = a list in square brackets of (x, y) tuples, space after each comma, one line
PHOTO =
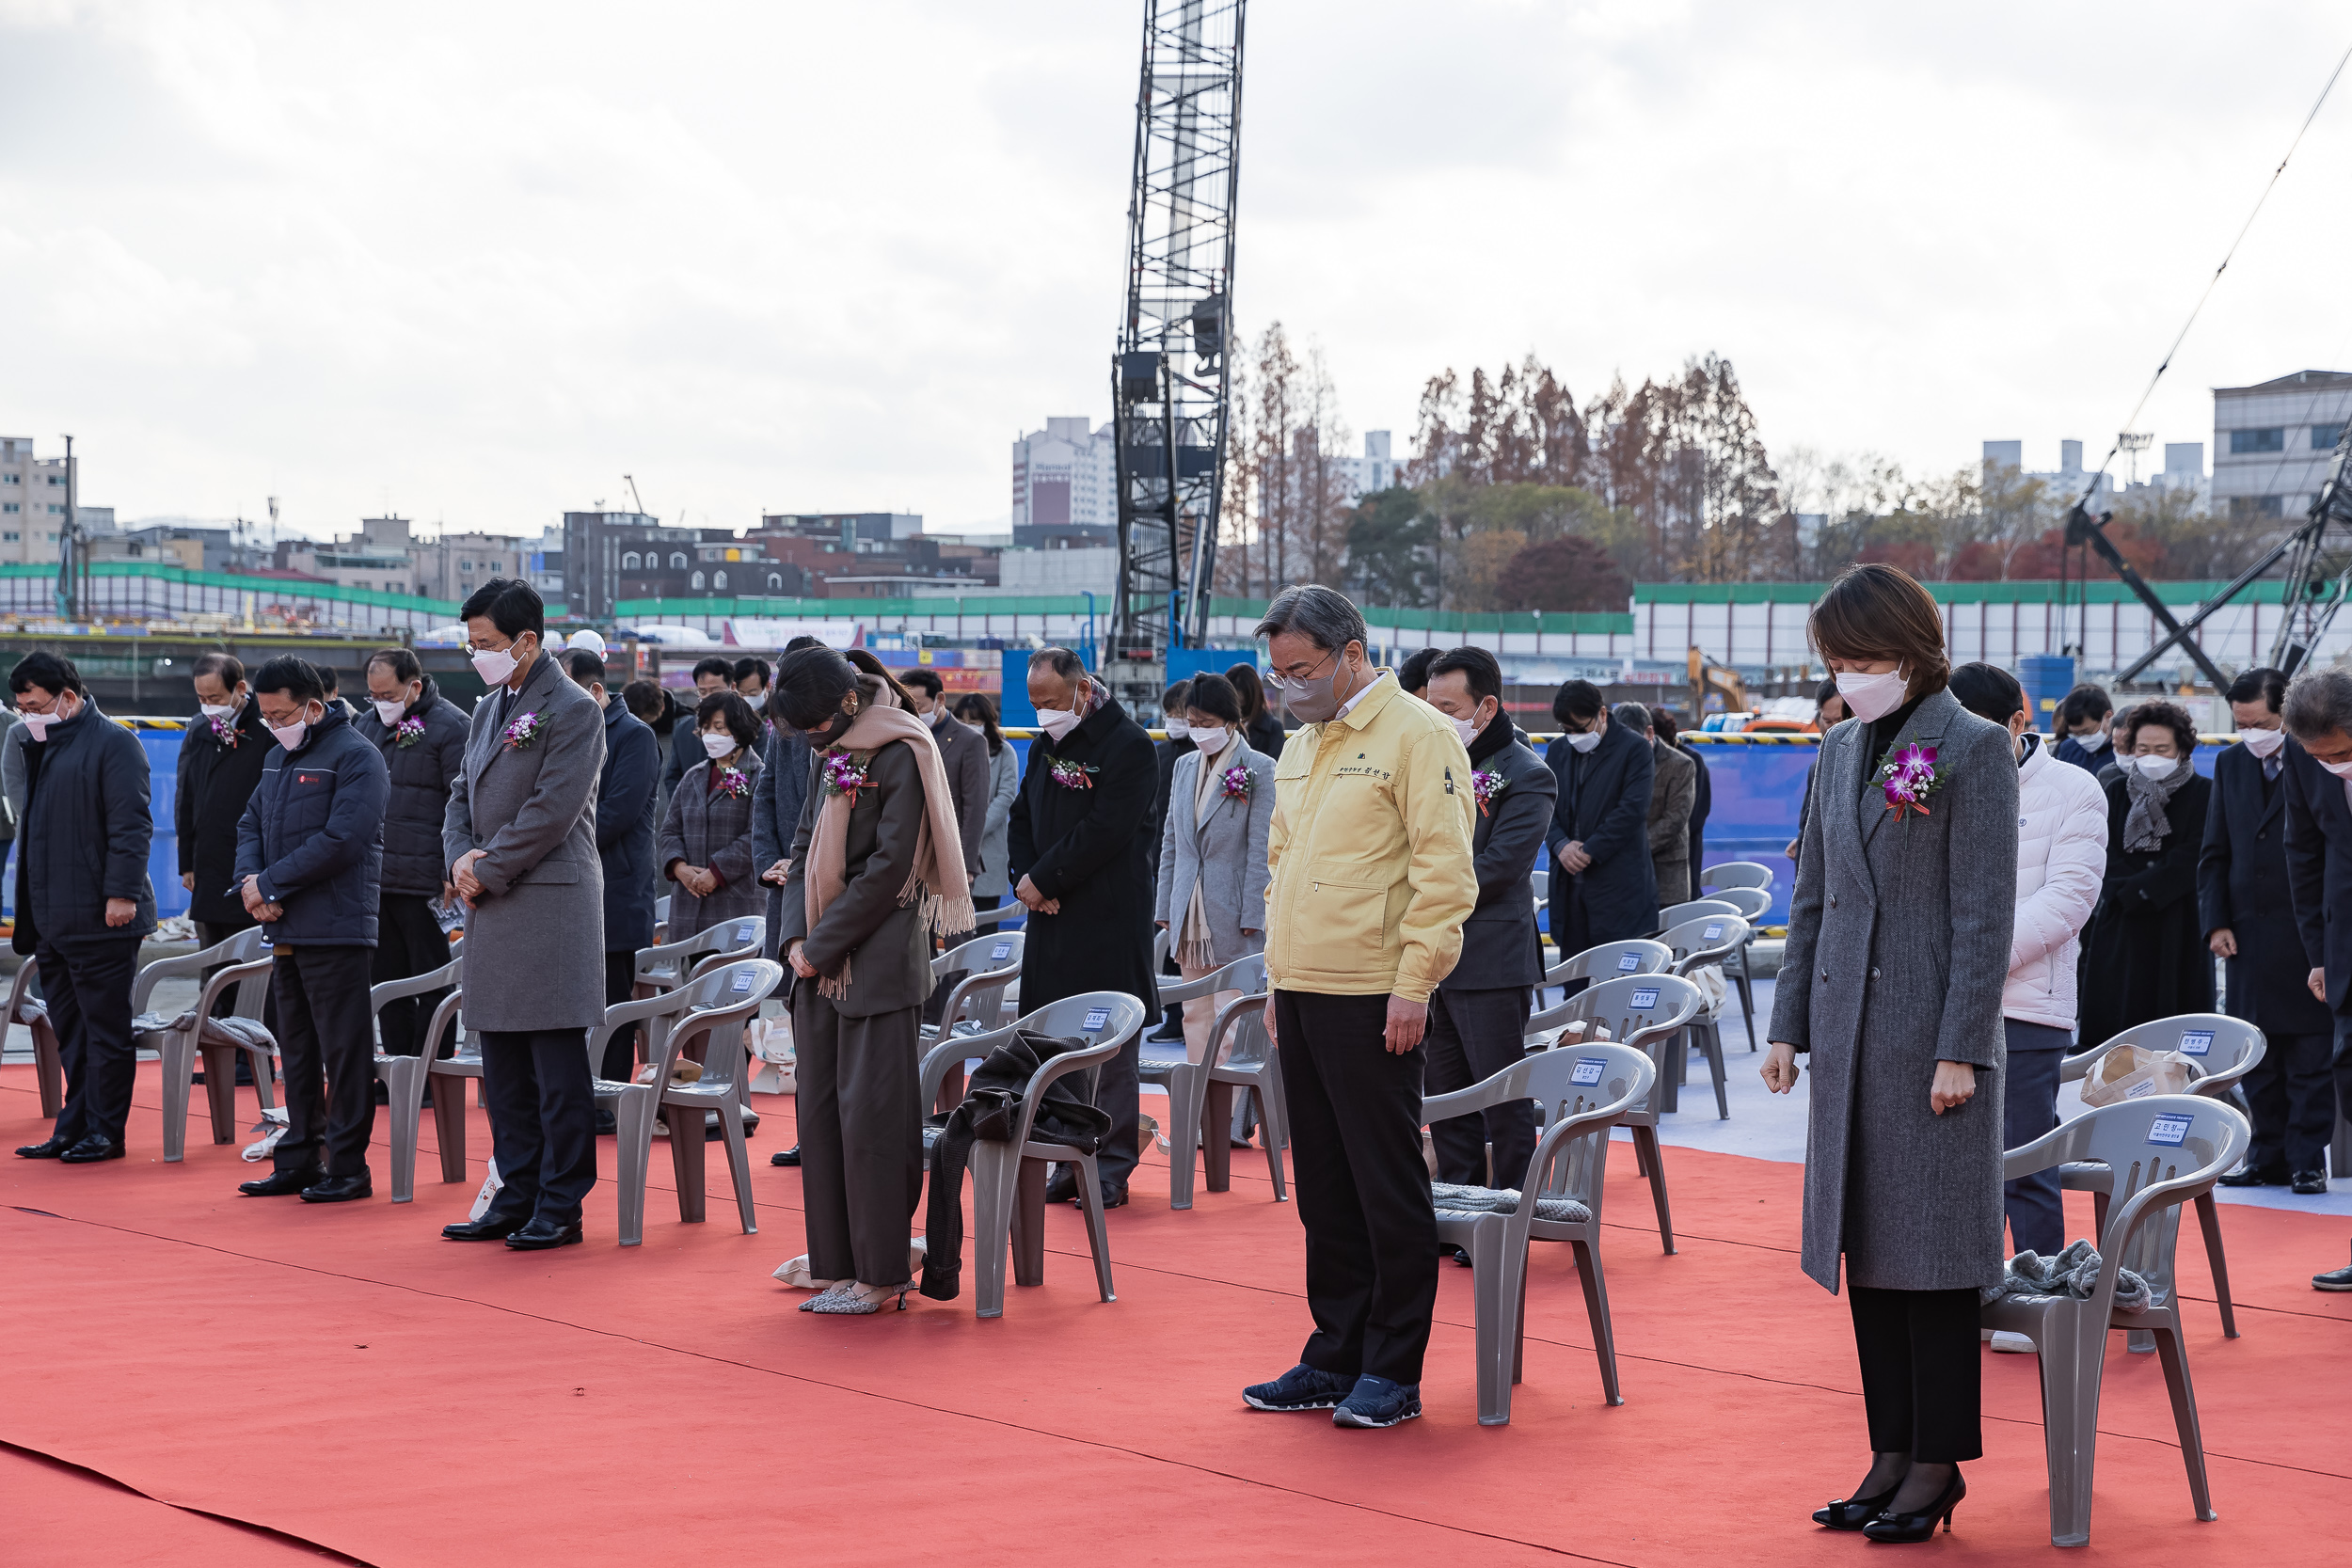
[(1063, 1186), (607, 1122), (1853, 1513), (2249, 1176), (1114, 1197), (91, 1149), (492, 1227), (785, 1156), (283, 1183), (2335, 1279), (2310, 1184), (48, 1148), (341, 1188), (540, 1235)]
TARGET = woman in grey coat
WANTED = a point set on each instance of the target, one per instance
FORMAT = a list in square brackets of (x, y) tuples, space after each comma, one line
[(1004, 782), (706, 841), (1213, 854), (1898, 951)]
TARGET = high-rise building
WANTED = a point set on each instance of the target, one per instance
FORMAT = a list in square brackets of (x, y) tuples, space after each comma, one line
[(33, 494), (612, 556), (2272, 442), (1065, 485)]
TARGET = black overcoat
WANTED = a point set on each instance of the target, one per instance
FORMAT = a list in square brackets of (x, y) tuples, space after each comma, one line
[(1086, 846), (2242, 885), (2144, 954), (625, 824), (216, 780), (421, 772), (88, 825), (1604, 803), (2319, 870)]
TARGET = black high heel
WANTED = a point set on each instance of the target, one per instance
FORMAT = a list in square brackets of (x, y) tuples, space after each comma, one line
[(1911, 1528), (1854, 1512)]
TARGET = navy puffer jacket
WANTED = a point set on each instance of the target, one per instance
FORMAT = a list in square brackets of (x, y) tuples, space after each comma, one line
[(421, 772), (313, 833)]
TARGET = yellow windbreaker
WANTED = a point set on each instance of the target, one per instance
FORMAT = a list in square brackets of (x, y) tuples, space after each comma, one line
[(1370, 851)]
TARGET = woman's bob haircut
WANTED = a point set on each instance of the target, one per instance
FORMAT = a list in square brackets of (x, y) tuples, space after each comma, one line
[(1874, 611)]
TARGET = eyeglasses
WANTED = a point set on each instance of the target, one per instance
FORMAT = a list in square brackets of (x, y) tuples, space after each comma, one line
[(1281, 682)]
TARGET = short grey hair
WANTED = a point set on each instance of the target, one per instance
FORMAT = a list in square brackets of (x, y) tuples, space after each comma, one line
[(2319, 703), (1324, 616), (1069, 666), (1633, 716)]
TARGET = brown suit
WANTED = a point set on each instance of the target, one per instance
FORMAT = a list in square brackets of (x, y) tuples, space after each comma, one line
[(1670, 803)]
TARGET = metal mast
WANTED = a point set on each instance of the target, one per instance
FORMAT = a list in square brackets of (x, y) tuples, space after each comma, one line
[(1170, 378)]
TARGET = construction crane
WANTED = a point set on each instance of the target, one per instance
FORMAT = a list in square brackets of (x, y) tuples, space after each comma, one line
[(1170, 389)]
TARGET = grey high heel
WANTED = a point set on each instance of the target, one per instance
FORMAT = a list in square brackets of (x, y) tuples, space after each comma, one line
[(828, 1294), (852, 1300)]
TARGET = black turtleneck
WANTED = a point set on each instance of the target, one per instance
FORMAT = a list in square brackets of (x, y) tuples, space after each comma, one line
[(1499, 732), (1883, 734)]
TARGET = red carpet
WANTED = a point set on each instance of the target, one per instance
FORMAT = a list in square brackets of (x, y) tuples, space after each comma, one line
[(345, 1377)]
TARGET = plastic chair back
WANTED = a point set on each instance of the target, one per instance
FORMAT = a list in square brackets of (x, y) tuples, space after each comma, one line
[(1638, 1010), (2224, 1049), (989, 964), (1706, 940), (1676, 914), (719, 1004), (1596, 1082), (671, 963), (1750, 901), (1736, 874), (1639, 956)]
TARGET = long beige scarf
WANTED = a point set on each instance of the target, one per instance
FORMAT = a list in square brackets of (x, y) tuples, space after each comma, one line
[(937, 877)]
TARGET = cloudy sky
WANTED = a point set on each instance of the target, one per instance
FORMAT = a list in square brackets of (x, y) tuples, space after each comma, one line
[(474, 263)]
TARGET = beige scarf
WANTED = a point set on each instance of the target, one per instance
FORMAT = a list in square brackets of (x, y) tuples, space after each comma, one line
[(937, 878)]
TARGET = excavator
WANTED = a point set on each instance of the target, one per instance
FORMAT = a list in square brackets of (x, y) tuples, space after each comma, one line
[(1715, 688)]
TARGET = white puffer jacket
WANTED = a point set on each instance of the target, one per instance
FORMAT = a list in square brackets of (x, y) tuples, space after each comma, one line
[(2061, 862)]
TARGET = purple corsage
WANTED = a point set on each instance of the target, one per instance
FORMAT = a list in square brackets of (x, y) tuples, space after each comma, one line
[(844, 775), (408, 732), (735, 782), (1908, 777), (1069, 775), (522, 732), (226, 732), (1485, 787), (1235, 782)]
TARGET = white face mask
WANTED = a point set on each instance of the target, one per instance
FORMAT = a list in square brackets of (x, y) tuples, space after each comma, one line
[(495, 666), (218, 711), (2095, 741), (2262, 742), (718, 745), (1586, 741), (1468, 729), (289, 736), (757, 699), (1871, 698), (390, 712), (1211, 740), (1179, 730), (1058, 724), (2340, 770), (2151, 767)]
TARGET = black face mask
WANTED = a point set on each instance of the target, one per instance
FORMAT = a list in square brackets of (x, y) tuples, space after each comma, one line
[(833, 729)]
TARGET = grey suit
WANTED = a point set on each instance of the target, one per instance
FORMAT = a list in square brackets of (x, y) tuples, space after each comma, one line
[(1898, 951), (964, 753), (535, 940), (1224, 852), (1004, 783)]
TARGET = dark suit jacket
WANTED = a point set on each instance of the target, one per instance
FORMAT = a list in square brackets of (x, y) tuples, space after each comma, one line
[(963, 751), (2319, 868), (215, 782), (632, 763), (881, 940), (776, 802), (1500, 948), (1086, 847), (1169, 751), (1701, 799), (2242, 885), (1603, 804)]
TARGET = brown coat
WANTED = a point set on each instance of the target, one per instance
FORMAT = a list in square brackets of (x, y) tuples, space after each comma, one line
[(1670, 802), (866, 923)]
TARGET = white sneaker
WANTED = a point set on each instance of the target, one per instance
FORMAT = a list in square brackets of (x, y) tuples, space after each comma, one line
[(2011, 1344)]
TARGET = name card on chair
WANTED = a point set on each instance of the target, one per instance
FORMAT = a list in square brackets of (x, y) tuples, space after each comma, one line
[(1629, 962), (743, 931), (2197, 1043), (1714, 933), (1001, 951), (1096, 1018), (1645, 997), (2169, 1131), (1588, 1069), (742, 982)]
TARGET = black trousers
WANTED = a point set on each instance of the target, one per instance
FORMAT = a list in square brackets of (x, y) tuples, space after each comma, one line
[(1474, 1034), (409, 941), (327, 1051), (620, 1051), (2037, 1217), (543, 1121), (1363, 1191), (2294, 1100), (1922, 1383), (86, 983), (860, 1114)]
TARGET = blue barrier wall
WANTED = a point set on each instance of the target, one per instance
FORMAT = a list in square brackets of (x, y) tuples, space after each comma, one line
[(162, 747)]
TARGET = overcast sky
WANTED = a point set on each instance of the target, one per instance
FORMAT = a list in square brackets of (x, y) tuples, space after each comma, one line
[(474, 263)]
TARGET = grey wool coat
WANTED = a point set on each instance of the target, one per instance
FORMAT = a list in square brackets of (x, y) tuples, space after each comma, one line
[(1224, 852), (713, 829), (534, 944), (1898, 937)]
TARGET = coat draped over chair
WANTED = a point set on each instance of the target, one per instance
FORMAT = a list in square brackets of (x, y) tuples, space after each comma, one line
[(1899, 942)]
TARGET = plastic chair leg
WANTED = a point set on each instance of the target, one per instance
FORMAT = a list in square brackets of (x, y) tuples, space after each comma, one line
[(1098, 1232), (994, 1172), (449, 1124), (1747, 1001), (264, 1081), (221, 1089), (633, 1152), (1216, 1135), (1487, 1285), (49, 1068), (2078, 1408), (1596, 1311), (1028, 1222), (1646, 1146), (1712, 1041), (1183, 1134), (403, 1090), (739, 1163), (1273, 1126), (177, 1046), (686, 1160), (2170, 1351), (2209, 1221)]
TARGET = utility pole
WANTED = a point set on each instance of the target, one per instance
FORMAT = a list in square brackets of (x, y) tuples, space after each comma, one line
[(71, 573)]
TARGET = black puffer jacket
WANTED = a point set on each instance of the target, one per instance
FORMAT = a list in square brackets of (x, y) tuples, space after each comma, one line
[(86, 833), (215, 782), (311, 834), (421, 772)]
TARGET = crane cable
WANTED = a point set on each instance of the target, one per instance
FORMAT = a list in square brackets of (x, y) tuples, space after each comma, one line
[(2226, 259)]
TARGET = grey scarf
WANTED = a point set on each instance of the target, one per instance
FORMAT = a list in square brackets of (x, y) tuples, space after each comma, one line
[(2072, 1272), (2145, 828)]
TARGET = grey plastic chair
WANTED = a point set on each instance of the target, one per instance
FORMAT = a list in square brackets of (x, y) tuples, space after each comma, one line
[(1752, 903), (449, 1099), (1585, 1090), (48, 1053), (1645, 1013), (666, 964), (1708, 939), (247, 968), (1676, 914), (719, 1002), (989, 965), (2224, 1049), (1635, 955), (661, 920), (1200, 1094), (2159, 1152), (633, 1103), (404, 1076), (1732, 874), (1009, 1177)]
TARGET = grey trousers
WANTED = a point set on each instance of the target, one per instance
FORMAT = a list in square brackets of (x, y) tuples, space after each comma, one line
[(860, 1112)]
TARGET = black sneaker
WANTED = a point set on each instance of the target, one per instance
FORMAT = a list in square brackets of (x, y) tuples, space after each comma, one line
[(2335, 1279), (1300, 1388), (1377, 1402)]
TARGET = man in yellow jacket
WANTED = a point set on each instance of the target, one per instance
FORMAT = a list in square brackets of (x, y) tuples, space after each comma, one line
[(1372, 878)]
